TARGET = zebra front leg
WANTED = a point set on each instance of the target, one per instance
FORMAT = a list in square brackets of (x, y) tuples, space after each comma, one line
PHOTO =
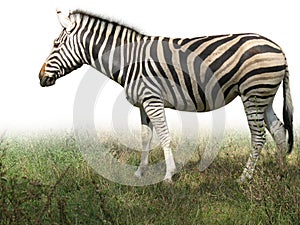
[(154, 109), (257, 129), (147, 133)]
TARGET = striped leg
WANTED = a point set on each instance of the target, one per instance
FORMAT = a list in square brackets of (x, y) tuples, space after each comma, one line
[(255, 117), (277, 130), (147, 131), (156, 113)]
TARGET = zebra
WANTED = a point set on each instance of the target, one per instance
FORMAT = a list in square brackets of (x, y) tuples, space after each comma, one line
[(188, 74)]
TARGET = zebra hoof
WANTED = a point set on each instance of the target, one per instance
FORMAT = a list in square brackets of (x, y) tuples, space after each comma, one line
[(168, 180), (241, 181), (138, 174), (140, 171)]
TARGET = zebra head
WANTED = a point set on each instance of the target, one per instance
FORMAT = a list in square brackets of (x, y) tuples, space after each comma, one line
[(64, 57)]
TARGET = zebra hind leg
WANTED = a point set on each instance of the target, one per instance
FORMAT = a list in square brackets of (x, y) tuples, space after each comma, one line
[(277, 130), (255, 117), (147, 132)]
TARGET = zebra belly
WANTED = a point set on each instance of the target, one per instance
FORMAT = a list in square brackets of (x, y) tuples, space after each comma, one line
[(185, 103)]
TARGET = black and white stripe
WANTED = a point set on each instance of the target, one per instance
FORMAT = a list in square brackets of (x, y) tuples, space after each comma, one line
[(188, 74)]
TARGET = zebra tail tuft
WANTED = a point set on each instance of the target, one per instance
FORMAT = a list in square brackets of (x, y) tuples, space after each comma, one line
[(288, 111)]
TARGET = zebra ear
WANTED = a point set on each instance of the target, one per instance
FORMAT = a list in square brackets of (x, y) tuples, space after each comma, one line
[(64, 19)]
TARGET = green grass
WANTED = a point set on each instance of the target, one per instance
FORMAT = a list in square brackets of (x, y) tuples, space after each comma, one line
[(45, 180)]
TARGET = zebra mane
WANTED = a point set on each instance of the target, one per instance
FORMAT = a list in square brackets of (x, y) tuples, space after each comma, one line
[(83, 13)]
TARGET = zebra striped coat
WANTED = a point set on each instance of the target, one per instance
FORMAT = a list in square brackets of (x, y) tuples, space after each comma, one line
[(189, 74)]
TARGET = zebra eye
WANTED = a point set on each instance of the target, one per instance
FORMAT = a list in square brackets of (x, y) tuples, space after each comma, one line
[(56, 43)]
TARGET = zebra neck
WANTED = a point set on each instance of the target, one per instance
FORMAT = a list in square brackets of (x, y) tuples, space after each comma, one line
[(112, 49)]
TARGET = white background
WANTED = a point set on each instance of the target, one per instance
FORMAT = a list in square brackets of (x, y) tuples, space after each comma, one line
[(28, 29)]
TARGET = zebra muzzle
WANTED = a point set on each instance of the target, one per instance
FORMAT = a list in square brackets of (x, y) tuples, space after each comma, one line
[(47, 81)]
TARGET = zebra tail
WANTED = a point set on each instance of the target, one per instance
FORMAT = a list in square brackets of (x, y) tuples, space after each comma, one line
[(288, 111)]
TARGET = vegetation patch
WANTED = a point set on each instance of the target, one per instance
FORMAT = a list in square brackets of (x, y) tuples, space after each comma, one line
[(45, 180)]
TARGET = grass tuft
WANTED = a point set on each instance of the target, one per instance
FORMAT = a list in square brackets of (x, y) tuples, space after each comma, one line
[(45, 180)]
